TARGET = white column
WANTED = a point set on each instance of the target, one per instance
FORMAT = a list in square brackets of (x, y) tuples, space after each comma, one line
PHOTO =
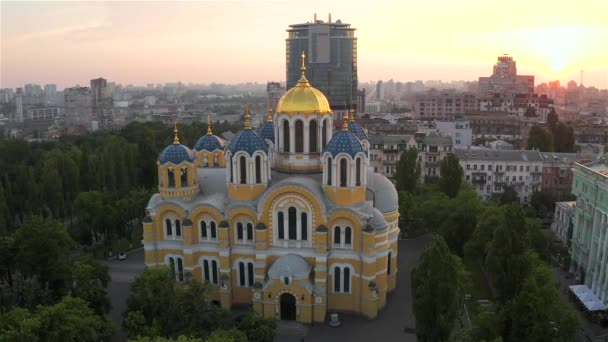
[(286, 225), (334, 176), (298, 225), (292, 136), (306, 132)]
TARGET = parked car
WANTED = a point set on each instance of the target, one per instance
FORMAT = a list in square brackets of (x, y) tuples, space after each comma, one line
[(122, 256)]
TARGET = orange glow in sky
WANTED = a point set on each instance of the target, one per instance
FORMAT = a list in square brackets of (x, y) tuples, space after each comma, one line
[(137, 42)]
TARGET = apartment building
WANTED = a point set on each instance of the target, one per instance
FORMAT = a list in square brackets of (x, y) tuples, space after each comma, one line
[(385, 151), (563, 221)]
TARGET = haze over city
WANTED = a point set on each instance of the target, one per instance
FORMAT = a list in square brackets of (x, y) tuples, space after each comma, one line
[(68, 43)]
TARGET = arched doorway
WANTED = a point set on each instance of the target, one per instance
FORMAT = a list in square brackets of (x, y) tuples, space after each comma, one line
[(288, 307)]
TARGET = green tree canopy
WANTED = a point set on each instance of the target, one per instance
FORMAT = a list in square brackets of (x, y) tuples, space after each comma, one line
[(563, 138), (408, 170), (437, 288), (451, 175), (89, 281), (540, 139)]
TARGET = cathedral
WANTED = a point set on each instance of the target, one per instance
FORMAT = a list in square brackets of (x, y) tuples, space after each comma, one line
[(289, 218)]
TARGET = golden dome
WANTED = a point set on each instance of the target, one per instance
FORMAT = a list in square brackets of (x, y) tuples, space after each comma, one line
[(303, 98)]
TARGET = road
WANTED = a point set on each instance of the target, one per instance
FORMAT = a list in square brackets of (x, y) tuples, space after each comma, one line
[(123, 273)]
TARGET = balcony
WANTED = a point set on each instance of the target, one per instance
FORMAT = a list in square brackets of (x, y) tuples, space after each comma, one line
[(499, 172), (431, 163)]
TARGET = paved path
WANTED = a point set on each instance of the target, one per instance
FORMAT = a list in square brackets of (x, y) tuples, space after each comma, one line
[(391, 321), (123, 273)]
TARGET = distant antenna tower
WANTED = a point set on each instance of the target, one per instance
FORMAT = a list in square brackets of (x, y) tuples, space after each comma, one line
[(581, 77)]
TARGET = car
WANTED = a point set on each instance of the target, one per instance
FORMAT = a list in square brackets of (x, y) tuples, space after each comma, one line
[(122, 256)]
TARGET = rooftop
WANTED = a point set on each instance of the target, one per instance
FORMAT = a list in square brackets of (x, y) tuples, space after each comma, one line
[(499, 155)]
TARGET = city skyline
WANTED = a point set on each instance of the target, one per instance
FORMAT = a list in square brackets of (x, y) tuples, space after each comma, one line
[(69, 43)]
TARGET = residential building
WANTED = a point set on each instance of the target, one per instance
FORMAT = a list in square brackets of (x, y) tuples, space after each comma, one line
[(78, 106), (361, 100), (432, 148), (331, 59), (294, 229), (491, 171), (460, 130), (557, 171), (522, 105), (589, 248), (19, 105), (44, 113), (274, 90), (563, 221), (496, 124), (6, 95), (444, 105), (385, 151), (505, 81), (101, 102)]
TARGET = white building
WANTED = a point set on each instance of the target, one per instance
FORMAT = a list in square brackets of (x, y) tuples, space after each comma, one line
[(45, 113), (432, 148), (78, 106), (460, 130), (373, 107), (563, 220), (491, 171), (385, 151)]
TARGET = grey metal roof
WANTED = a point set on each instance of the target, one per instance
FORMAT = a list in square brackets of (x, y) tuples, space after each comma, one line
[(391, 139), (555, 157), (378, 222), (499, 155), (435, 139), (290, 265), (386, 198)]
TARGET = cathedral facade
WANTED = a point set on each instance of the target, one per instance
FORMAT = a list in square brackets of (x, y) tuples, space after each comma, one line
[(289, 218)]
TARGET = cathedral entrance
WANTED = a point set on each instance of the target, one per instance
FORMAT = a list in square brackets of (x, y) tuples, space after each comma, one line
[(288, 307)]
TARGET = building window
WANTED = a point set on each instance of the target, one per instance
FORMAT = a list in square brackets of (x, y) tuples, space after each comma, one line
[(324, 134), (343, 237), (343, 172), (388, 263), (184, 177), (171, 177), (312, 136), (286, 147), (290, 228), (304, 226), (329, 168), (210, 271), (246, 274), (293, 228), (168, 228), (258, 169), (176, 265), (243, 169), (299, 136), (342, 279), (208, 230), (358, 172), (244, 232), (281, 219)]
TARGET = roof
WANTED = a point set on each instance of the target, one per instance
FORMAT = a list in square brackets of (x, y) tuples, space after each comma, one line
[(208, 142), (390, 139), (290, 265), (386, 198), (357, 130), (566, 158), (249, 141), (344, 142), (303, 98), (378, 222), (266, 131), (499, 155), (435, 139), (176, 153)]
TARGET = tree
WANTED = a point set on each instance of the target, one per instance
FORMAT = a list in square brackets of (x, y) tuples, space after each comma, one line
[(508, 196), (552, 120), (232, 335), (478, 245), (257, 329), (508, 262), (563, 138), (43, 248), (460, 220), (540, 139), (451, 175), (543, 203), (530, 112), (437, 288), (90, 279), (408, 170), (538, 313), (69, 320)]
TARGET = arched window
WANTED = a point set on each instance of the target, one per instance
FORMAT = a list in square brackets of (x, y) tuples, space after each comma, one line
[(281, 221), (239, 231), (293, 229), (388, 263), (180, 269), (184, 177), (172, 268), (213, 230), (178, 228), (358, 172), (329, 168), (168, 227), (241, 274), (246, 274), (230, 171), (250, 274), (206, 270), (214, 275), (312, 136), (337, 236), (286, 280), (203, 228), (171, 176), (250, 231), (304, 226), (324, 134), (299, 136), (346, 287), (347, 236), (243, 169), (258, 169), (337, 286), (343, 172), (210, 271), (286, 147)]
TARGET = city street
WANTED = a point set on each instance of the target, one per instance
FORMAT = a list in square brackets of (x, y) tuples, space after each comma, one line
[(123, 272)]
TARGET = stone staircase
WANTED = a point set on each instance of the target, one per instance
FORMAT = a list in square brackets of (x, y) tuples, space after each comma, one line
[(290, 330)]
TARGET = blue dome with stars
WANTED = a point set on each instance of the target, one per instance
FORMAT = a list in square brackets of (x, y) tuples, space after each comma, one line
[(344, 142), (176, 153), (357, 130), (209, 143), (266, 131), (249, 141)]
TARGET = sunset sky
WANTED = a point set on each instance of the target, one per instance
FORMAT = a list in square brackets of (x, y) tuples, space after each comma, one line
[(136, 42)]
